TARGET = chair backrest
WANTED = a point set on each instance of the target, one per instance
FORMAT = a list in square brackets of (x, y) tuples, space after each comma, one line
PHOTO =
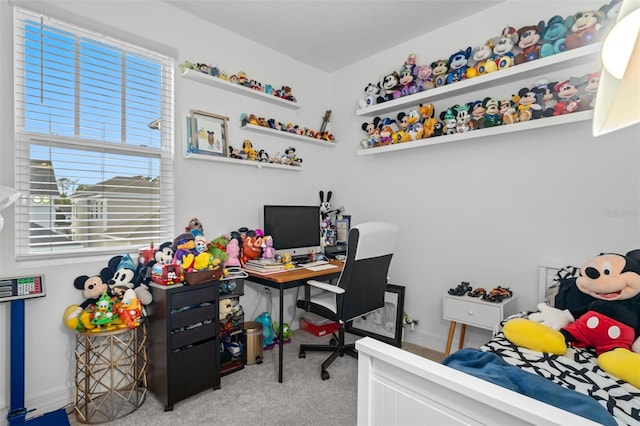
[(364, 276)]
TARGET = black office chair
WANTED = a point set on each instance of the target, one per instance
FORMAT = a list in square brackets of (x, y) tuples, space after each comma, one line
[(360, 288)]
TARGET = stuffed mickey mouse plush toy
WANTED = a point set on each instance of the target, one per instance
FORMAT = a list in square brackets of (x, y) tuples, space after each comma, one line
[(603, 313), (76, 317)]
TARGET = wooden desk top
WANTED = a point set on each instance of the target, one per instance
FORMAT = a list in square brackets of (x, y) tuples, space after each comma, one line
[(296, 274)]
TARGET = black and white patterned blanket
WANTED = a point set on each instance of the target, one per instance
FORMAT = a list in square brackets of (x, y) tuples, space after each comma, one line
[(577, 369)]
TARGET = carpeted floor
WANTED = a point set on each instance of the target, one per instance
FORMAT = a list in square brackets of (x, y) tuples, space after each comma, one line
[(253, 395)]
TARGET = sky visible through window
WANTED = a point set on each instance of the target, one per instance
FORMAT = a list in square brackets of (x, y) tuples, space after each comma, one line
[(85, 89)]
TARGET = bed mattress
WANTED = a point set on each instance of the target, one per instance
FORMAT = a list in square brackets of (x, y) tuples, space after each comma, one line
[(577, 369)]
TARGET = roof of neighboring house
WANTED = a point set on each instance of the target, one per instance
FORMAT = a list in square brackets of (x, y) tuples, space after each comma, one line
[(40, 234), (43, 178), (143, 226), (120, 185)]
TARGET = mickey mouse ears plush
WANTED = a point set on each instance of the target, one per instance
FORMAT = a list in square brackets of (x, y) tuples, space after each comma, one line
[(127, 263)]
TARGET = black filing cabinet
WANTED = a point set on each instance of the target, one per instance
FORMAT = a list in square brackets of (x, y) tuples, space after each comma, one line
[(183, 341)]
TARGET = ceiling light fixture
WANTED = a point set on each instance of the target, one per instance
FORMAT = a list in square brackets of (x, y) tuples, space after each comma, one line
[(618, 46), (617, 102)]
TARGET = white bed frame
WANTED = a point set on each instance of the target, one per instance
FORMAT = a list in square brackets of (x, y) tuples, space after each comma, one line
[(396, 387)]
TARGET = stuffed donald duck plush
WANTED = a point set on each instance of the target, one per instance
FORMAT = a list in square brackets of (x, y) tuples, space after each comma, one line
[(603, 312)]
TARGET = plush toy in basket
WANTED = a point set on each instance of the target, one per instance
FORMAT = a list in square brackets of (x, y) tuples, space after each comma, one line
[(602, 311)]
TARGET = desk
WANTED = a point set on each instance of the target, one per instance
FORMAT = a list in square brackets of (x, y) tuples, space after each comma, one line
[(290, 279)]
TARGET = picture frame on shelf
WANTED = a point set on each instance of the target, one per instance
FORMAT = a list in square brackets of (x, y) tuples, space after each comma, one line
[(384, 324), (206, 134)]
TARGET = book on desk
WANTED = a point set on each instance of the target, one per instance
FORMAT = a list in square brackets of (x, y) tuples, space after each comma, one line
[(263, 265)]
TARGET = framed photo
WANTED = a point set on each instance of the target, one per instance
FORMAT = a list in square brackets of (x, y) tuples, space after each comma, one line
[(343, 225), (384, 324), (206, 134)]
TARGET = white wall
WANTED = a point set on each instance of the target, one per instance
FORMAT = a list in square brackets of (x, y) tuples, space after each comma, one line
[(485, 210), (224, 197)]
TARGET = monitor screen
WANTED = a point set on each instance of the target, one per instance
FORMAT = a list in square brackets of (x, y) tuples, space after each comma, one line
[(294, 229)]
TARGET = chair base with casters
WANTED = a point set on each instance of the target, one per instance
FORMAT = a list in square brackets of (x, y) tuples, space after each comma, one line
[(336, 345), (359, 290)]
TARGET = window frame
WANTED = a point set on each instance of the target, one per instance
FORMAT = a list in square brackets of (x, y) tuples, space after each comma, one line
[(164, 154)]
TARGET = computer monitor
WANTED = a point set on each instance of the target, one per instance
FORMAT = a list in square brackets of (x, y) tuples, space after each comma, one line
[(294, 229)]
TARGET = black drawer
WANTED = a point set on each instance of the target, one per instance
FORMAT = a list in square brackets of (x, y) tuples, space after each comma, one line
[(193, 297), (193, 335), (194, 370), (193, 315)]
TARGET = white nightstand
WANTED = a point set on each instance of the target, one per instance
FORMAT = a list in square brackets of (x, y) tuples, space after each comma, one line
[(475, 312)]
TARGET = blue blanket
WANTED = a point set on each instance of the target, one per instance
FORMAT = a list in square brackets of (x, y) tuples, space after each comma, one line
[(490, 367)]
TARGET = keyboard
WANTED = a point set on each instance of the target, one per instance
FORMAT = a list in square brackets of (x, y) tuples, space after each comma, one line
[(316, 263), (320, 267)]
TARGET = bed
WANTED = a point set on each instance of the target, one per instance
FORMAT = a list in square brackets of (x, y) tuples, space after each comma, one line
[(396, 387)]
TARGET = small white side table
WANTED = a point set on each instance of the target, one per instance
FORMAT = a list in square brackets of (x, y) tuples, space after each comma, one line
[(475, 312)]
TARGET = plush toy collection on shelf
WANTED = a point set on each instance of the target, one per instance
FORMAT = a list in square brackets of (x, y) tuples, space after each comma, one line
[(241, 79), (248, 152), (288, 127), (542, 99), (510, 48)]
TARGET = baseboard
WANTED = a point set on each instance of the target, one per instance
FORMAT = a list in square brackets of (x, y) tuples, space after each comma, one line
[(474, 338), (41, 404), (426, 340)]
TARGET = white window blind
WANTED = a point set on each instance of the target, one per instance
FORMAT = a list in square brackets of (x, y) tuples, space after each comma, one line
[(94, 141)]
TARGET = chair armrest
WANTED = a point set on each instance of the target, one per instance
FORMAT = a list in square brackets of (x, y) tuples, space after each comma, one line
[(325, 286)]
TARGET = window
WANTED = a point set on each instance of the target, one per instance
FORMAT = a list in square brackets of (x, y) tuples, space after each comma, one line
[(94, 141)]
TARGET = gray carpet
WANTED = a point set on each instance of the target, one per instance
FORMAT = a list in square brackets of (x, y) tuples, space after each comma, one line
[(253, 396)]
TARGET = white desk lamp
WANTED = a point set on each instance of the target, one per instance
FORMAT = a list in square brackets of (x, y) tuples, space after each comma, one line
[(618, 99), (8, 196)]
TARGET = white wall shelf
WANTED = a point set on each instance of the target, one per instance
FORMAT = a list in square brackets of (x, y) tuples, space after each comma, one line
[(481, 133), (552, 63), (280, 133), (236, 88), (238, 162)]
